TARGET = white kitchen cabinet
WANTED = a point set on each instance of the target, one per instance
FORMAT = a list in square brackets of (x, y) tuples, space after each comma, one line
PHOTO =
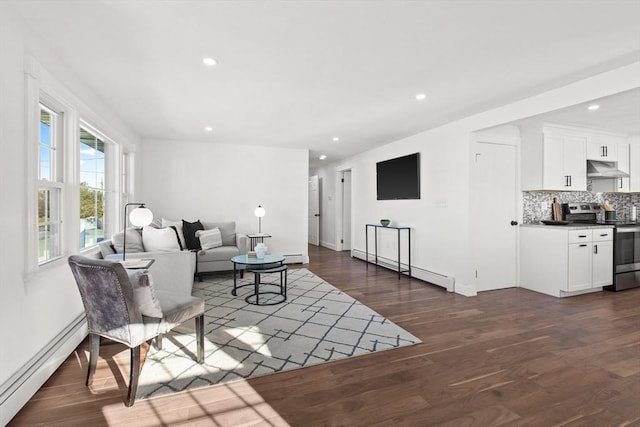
[(564, 167), (602, 263), (565, 261), (634, 167), (603, 148), (553, 158), (579, 266)]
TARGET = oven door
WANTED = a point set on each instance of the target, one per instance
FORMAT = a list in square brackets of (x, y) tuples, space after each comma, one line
[(627, 258)]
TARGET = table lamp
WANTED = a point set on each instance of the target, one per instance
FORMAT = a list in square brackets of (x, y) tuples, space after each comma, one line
[(138, 217), (259, 212)]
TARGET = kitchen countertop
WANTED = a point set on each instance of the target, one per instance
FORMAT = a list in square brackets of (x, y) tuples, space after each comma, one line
[(572, 226)]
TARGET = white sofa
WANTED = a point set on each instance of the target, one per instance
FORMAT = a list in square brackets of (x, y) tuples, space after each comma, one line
[(171, 271)]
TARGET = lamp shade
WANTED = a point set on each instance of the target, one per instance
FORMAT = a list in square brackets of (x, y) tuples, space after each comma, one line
[(259, 212), (141, 216)]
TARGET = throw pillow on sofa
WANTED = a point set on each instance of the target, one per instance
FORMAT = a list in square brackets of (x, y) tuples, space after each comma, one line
[(160, 239), (189, 229), (144, 294), (178, 226), (209, 239), (134, 241)]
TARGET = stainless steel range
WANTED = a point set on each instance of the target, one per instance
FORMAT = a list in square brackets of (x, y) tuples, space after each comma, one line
[(626, 243)]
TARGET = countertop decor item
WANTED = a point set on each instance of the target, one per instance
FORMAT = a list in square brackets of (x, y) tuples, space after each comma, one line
[(385, 222)]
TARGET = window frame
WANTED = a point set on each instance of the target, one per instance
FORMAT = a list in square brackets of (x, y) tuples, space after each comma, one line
[(55, 185), (42, 89)]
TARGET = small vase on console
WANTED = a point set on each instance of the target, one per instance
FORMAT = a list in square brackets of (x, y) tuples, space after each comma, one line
[(261, 250)]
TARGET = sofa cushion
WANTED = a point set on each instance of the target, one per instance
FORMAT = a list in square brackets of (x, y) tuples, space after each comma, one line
[(178, 226), (160, 239), (222, 253), (134, 241), (144, 294), (189, 229), (227, 229), (209, 239), (106, 248)]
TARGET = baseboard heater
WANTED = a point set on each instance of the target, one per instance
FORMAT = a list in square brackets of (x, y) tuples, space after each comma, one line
[(428, 276), (295, 259), (33, 374)]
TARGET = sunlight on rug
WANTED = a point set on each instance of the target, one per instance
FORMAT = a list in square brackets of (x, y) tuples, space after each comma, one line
[(318, 323)]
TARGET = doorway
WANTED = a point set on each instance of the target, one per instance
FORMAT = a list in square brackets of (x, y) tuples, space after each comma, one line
[(346, 211), (314, 210), (343, 210), (494, 213)]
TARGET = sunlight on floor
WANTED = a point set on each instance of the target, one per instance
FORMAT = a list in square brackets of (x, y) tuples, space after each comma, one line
[(231, 404), (253, 337)]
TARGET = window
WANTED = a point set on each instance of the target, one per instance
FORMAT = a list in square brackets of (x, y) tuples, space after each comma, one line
[(49, 185), (92, 188)]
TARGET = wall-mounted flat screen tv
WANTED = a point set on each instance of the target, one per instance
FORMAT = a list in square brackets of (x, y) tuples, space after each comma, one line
[(399, 178)]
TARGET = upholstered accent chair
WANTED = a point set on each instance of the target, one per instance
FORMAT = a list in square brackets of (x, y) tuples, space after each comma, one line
[(115, 302)]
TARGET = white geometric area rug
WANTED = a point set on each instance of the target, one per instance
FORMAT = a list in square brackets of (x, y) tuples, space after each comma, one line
[(318, 323)]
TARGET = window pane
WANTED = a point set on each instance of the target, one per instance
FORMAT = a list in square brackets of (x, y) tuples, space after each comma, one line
[(45, 163), (48, 224), (46, 156), (92, 161), (91, 216)]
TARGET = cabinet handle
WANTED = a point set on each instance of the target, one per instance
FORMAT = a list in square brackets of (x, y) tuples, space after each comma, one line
[(606, 151), (583, 246), (595, 249), (567, 180), (604, 235), (582, 236), (620, 183)]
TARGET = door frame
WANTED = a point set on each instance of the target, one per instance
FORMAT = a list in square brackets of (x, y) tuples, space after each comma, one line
[(339, 213), (486, 138)]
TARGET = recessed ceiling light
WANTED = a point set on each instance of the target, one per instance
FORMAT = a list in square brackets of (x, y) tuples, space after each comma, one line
[(336, 139), (322, 157), (421, 97), (208, 129), (593, 107), (209, 62)]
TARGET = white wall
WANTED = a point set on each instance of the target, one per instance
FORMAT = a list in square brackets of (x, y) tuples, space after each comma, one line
[(33, 313), (441, 221), (211, 182)]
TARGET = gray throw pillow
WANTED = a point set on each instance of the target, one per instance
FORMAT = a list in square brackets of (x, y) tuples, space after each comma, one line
[(134, 241)]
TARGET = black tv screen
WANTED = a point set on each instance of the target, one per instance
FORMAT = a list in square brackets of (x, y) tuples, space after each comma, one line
[(399, 178)]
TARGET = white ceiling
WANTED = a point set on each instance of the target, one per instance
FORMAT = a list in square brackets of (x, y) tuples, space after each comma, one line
[(618, 113), (296, 74)]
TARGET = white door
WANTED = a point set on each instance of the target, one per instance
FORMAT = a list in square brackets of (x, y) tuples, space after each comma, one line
[(493, 209), (314, 210), (346, 211)]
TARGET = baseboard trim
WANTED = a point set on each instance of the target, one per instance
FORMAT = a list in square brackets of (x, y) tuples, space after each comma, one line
[(447, 282), (466, 290), (328, 245), (16, 391)]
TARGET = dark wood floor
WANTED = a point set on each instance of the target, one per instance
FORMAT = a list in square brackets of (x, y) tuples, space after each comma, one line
[(509, 357)]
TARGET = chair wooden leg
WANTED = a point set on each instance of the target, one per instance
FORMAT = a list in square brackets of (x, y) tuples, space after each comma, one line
[(200, 337), (134, 375), (94, 350)]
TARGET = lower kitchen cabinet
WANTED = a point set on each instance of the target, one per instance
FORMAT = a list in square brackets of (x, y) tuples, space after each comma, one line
[(565, 261)]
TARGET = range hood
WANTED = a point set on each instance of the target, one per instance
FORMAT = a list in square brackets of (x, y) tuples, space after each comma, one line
[(599, 170)]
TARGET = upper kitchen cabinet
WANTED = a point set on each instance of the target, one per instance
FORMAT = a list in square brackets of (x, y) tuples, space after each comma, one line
[(553, 158), (634, 164), (603, 147)]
